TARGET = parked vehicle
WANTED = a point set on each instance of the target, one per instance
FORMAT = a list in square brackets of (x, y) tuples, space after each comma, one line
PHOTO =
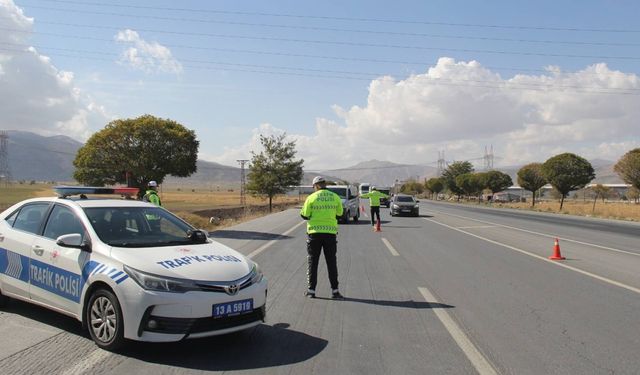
[(385, 201)]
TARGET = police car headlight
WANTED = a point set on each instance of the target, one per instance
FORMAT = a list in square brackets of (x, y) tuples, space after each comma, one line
[(160, 284), (256, 274)]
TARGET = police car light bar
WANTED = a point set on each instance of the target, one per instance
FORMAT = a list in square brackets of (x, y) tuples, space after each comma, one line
[(66, 191)]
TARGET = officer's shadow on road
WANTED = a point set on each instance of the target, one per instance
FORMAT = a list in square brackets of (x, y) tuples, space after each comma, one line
[(246, 235), (409, 304), (261, 347)]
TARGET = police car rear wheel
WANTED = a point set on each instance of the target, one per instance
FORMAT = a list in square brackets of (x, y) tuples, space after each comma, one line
[(104, 319)]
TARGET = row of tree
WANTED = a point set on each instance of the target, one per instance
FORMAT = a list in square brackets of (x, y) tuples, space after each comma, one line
[(564, 172)]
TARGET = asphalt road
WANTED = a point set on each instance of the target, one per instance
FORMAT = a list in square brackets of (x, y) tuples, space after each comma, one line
[(459, 290)]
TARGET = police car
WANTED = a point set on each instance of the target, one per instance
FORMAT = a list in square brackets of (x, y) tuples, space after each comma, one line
[(126, 269)]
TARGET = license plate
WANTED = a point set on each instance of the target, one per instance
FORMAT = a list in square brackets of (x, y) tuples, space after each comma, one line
[(232, 308), (406, 210)]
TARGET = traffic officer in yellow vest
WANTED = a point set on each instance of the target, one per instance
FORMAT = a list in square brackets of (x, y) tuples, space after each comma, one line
[(322, 210), (374, 202)]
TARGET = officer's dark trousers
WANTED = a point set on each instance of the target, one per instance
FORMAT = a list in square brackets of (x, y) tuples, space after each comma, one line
[(316, 243), (375, 210)]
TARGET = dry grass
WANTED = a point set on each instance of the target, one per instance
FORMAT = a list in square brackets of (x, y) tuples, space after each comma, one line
[(607, 210), (184, 202)]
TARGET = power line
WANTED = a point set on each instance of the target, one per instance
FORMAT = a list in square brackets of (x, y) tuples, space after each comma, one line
[(356, 31), (435, 81), (378, 20), (351, 44)]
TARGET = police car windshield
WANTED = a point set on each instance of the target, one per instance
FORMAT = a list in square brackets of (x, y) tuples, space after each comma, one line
[(342, 192), (138, 226)]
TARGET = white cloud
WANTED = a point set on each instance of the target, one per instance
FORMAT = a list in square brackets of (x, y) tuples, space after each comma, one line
[(34, 94), (146, 56), (461, 107)]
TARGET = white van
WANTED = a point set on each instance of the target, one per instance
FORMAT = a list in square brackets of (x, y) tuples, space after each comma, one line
[(350, 201), (364, 188)]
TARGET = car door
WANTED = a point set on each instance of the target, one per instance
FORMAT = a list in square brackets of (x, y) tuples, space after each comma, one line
[(18, 232), (56, 277)]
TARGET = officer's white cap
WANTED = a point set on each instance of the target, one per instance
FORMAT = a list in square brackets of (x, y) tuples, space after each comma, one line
[(153, 184), (318, 180)]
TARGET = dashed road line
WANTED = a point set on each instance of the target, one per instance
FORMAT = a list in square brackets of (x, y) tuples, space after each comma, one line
[(265, 246), (541, 234), (586, 273), (481, 364), (392, 250), (477, 227)]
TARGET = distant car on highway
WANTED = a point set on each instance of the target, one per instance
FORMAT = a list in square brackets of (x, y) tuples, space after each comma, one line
[(402, 204), (350, 201), (126, 269)]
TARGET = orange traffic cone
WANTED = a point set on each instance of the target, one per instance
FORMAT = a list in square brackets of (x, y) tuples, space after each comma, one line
[(378, 229), (556, 252)]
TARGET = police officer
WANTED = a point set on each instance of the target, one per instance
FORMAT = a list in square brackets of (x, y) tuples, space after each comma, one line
[(322, 210), (151, 195), (374, 202)]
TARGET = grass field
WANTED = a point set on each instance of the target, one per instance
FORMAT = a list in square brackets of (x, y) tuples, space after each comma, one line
[(183, 202), (607, 210)]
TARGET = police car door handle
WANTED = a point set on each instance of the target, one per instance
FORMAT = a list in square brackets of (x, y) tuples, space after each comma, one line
[(1, 237), (38, 250)]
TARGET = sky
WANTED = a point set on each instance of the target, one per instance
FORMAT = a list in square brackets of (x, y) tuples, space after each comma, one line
[(349, 82)]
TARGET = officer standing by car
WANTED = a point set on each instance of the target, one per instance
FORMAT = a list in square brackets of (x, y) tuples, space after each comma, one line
[(322, 210), (374, 202), (151, 195)]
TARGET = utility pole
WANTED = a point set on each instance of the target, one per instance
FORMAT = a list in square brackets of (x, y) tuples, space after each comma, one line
[(5, 172), (243, 200)]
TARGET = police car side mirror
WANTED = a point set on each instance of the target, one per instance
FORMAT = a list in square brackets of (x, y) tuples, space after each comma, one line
[(198, 236), (73, 240)]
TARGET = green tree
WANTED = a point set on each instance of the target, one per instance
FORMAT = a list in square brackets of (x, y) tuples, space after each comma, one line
[(599, 191), (628, 168), (470, 183), (454, 170), (412, 187), (531, 178), (136, 151), (567, 172), (434, 185), (496, 181), (274, 169), (633, 194)]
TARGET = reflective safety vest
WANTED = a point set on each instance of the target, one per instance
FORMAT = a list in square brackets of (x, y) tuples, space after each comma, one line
[(152, 197), (374, 197), (321, 209)]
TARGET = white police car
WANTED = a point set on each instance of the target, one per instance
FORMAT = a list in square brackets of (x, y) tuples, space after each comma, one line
[(126, 269)]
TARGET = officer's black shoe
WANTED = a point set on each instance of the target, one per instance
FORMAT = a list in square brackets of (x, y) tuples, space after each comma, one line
[(337, 295), (310, 294)]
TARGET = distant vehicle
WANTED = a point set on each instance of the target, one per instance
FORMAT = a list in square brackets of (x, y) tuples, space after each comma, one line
[(385, 201), (350, 201), (364, 188), (126, 269), (402, 204)]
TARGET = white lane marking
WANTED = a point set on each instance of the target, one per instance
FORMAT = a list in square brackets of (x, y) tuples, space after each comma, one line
[(477, 227), (392, 250), (86, 366), (586, 273), (265, 246), (543, 234), (481, 364)]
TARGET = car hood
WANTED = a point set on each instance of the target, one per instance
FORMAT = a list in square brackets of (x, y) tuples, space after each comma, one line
[(204, 262)]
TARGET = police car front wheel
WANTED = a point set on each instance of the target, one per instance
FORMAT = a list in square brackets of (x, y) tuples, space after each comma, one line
[(104, 320)]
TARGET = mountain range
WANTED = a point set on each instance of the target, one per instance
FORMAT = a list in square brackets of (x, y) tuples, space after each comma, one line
[(41, 158)]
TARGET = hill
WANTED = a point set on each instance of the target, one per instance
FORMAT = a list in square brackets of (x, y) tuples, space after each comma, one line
[(381, 173)]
